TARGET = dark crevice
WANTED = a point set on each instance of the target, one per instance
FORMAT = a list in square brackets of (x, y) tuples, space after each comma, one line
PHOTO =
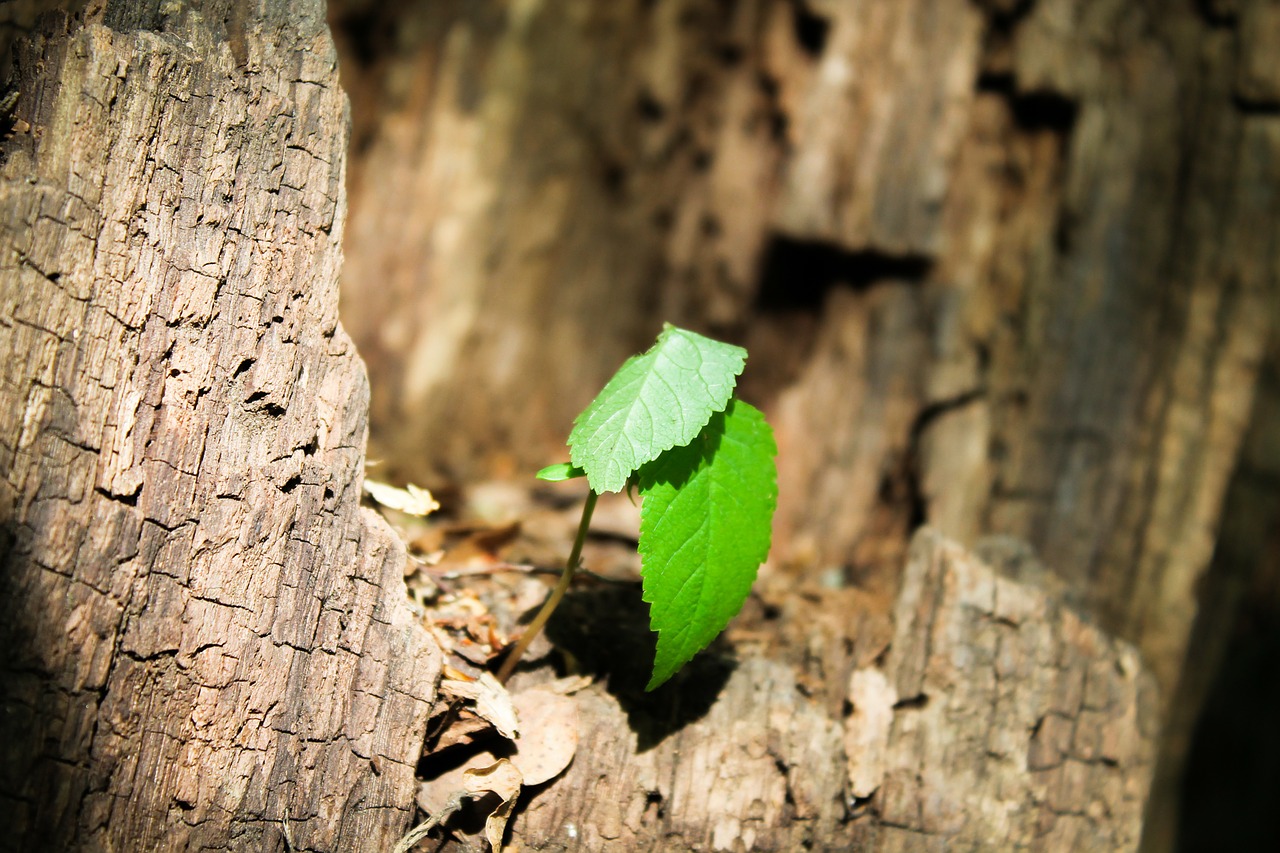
[(653, 799), (127, 500), (933, 411), (648, 107), (1040, 109), (273, 409), (789, 797), (910, 469), (912, 703), (158, 654), (1043, 110), (730, 54), (858, 807), (1217, 14), (1003, 21), (778, 121), (1250, 107), (797, 274), (613, 175), (811, 29), (997, 82), (8, 121)]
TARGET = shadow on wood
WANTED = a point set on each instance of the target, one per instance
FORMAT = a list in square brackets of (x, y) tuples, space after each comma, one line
[(606, 632)]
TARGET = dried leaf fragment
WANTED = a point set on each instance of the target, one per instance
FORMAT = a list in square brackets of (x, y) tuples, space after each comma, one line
[(503, 779), (411, 500), (492, 701), (549, 734), (441, 798)]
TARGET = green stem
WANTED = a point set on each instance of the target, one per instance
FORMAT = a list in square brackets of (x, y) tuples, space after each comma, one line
[(549, 606)]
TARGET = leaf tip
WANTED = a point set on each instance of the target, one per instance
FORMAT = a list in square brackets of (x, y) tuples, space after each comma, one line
[(560, 472)]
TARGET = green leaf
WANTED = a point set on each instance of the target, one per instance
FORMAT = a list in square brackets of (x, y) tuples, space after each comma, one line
[(704, 531), (560, 472), (656, 401)]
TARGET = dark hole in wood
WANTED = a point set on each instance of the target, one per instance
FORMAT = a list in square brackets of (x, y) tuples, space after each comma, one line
[(811, 30), (796, 274)]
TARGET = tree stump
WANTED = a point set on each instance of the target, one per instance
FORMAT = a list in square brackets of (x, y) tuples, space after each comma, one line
[(997, 718), (207, 641)]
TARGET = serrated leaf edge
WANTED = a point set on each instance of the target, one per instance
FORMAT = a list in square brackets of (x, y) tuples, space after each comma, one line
[(576, 451)]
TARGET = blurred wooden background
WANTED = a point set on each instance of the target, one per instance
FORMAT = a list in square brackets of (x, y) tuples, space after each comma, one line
[(1007, 267)]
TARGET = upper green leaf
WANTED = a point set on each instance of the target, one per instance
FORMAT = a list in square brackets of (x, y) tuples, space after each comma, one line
[(704, 531), (656, 401)]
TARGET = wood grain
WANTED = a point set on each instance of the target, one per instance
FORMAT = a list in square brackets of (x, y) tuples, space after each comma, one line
[(207, 641)]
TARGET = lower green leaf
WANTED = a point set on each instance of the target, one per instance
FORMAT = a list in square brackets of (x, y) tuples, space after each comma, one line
[(704, 531)]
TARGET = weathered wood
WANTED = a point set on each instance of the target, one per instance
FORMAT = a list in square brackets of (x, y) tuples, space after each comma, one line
[(998, 719), (1003, 267), (206, 640), (1019, 725)]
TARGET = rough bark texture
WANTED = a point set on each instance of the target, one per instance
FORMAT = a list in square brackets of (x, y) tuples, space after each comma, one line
[(998, 719), (206, 640), (1004, 267)]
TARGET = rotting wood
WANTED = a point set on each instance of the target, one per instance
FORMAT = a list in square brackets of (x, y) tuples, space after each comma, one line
[(998, 719), (207, 643)]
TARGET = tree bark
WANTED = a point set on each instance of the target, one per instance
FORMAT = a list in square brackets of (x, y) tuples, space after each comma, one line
[(207, 641)]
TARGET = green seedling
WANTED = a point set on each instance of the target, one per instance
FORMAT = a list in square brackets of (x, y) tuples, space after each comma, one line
[(667, 424)]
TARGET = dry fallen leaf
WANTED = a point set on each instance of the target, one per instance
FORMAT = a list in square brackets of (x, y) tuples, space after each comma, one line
[(501, 778), (440, 798), (549, 734), (411, 500), (568, 685), (491, 701), (462, 729)]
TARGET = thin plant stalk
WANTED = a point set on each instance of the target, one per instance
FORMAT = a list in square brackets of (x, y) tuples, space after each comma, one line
[(553, 600)]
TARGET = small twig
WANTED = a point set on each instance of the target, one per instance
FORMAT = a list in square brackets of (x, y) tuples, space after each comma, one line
[(422, 830)]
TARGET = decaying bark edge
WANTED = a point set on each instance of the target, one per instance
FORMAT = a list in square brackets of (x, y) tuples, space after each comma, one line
[(207, 642)]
